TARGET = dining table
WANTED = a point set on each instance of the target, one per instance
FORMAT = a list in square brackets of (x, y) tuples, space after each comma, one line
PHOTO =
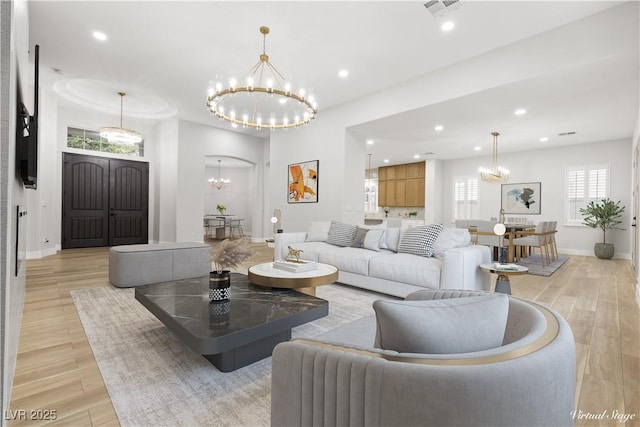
[(512, 231), (224, 220)]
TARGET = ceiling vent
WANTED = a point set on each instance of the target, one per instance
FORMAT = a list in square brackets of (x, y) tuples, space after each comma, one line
[(566, 133), (439, 7)]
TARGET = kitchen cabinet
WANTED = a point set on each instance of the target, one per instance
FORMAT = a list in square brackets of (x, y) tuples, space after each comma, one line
[(401, 185)]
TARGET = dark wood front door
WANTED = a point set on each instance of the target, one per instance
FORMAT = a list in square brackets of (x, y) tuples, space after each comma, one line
[(128, 206), (105, 201)]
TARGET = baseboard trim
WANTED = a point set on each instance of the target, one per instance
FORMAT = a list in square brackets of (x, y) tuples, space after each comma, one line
[(581, 252), (42, 253)]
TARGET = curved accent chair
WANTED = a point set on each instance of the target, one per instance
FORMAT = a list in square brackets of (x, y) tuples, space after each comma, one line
[(339, 378)]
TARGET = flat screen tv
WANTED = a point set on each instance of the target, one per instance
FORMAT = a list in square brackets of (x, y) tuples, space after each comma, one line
[(27, 133)]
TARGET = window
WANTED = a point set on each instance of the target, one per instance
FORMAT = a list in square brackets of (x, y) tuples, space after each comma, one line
[(371, 191), (92, 141), (465, 197), (584, 184)]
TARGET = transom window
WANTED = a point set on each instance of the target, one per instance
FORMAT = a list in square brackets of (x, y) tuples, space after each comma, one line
[(584, 184), (92, 141)]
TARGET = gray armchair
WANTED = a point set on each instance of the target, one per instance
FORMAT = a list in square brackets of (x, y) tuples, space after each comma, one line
[(339, 378)]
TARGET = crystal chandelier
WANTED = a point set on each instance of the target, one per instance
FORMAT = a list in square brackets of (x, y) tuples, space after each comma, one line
[(263, 98), (120, 135), (497, 174), (220, 182)]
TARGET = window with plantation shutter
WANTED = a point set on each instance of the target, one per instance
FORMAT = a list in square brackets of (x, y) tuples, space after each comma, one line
[(465, 196), (583, 185)]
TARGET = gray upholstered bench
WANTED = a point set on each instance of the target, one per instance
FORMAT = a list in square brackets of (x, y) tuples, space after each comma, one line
[(135, 265)]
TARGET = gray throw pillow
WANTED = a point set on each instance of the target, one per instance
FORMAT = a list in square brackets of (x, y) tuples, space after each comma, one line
[(341, 234), (444, 326), (420, 240), (367, 238)]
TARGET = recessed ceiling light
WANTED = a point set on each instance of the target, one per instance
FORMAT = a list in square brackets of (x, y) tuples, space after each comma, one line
[(478, 148), (386, 160), (416, 156), (439, 128), (448, 26), (99, 36), (520, 111), (544, 139), (369, 141), (343, 73)]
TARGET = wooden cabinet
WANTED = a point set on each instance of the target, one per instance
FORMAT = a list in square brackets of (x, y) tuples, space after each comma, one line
[(401, 185), (382, 192), (414, 192), (415, 170)]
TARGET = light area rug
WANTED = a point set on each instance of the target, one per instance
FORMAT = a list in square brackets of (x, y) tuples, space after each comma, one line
[(534, 264), (154, 379)]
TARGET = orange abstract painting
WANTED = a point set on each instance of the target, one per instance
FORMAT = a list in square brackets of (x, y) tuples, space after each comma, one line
[(303, 182)]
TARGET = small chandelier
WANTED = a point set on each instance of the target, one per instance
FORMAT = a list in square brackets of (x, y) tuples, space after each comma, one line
[(220, 182), (262, 99), (497, 174), (120, 135)]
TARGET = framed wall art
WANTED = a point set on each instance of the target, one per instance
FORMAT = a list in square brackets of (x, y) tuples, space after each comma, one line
[(303, 182), (522, 198)]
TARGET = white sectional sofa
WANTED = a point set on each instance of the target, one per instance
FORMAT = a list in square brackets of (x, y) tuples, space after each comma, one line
[(454, 266)]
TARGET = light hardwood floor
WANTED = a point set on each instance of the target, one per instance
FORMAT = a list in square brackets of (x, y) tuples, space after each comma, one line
[(56, 369)]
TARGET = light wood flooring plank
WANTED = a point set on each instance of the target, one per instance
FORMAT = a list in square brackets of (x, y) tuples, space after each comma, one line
[(56, 368)]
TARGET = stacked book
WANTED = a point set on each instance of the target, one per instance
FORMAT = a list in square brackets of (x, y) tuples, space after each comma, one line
[(295, 266), (506, 267)]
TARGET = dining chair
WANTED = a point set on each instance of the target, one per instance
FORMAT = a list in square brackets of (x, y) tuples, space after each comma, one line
[(535, 239), (486, 235), (551, 236), (236, 224)]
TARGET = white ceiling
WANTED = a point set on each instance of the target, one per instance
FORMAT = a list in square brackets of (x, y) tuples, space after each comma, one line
[(163, 54)]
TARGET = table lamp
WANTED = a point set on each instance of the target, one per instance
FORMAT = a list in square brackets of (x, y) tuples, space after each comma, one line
[(499, 229)]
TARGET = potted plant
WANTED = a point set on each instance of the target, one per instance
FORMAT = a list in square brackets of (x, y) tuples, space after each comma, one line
[(228, 254), (386, 211), (605, 215), (221, 208), (413, 214)]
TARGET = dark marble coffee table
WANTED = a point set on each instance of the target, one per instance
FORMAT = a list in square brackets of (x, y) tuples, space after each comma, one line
[(234, 333)]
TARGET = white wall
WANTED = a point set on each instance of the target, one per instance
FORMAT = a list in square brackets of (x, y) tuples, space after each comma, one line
[(14, 32), (327, 137), (237, 196), (196, 141), (548, 166), (166, 181)]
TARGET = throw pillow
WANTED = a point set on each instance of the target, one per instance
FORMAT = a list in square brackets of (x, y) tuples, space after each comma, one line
[(318, 231), (393, 238), (444, 326), (450, 238), (368, 238), (383, 226), (420, 240), (341, 234)]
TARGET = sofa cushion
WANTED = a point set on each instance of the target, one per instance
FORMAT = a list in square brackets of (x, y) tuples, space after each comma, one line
[(445, 326), (353, 260), (368, 238), (450, 238), (392, 235), (407, 268), (341, 234), (318, 231), (420, 240)]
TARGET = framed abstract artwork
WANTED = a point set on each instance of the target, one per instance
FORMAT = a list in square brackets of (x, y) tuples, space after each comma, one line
[(303, 182), (522, 198)]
